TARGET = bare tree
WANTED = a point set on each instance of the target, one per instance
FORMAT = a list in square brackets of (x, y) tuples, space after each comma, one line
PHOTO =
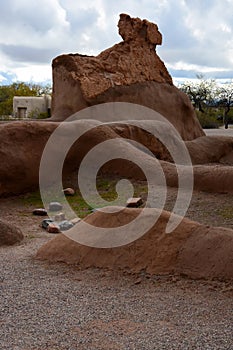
[(225, 100), (201, 93)]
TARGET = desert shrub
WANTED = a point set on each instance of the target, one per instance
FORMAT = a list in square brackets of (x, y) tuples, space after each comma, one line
[(208, 120), (43, 115)]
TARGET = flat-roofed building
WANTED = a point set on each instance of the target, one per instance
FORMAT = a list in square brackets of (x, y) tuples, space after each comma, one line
[(31, 106)]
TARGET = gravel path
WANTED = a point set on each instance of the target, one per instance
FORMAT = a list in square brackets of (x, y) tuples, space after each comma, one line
[(56, 307), (220, 132)]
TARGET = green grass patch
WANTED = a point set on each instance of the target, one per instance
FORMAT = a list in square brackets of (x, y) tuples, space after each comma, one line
[(226, 213), (32, 199), (79, 206)]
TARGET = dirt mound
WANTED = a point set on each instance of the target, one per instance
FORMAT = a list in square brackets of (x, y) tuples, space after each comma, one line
[(9, 234), (80, 81), (192, 249)]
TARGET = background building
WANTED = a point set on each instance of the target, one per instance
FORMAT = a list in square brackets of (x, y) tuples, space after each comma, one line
[(31, 107)]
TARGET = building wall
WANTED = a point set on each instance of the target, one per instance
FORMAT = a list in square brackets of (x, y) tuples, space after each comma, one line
[(30, 106)]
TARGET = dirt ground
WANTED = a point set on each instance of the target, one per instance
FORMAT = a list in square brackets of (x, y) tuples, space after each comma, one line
[(58, 307)]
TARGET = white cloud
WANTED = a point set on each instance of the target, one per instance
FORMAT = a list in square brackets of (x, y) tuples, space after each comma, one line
[(180, 65), (197, 34), (2, 78), (33, 73)]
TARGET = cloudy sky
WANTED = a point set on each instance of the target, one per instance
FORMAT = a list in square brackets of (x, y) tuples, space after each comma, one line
[(197, 34)]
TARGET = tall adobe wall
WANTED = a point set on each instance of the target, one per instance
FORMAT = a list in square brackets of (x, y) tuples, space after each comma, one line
[(130, 71)]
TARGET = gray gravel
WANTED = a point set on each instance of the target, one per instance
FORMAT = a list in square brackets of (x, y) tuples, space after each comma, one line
[(220, 132), (59, 307)]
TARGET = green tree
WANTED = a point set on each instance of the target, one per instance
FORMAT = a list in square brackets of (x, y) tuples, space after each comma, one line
[(7, 93)]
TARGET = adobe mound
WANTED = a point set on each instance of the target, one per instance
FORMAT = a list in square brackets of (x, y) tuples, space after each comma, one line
[(211, 149), (9, 234), (22, 145), (192, 249), (202, 150), (80, 81)]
